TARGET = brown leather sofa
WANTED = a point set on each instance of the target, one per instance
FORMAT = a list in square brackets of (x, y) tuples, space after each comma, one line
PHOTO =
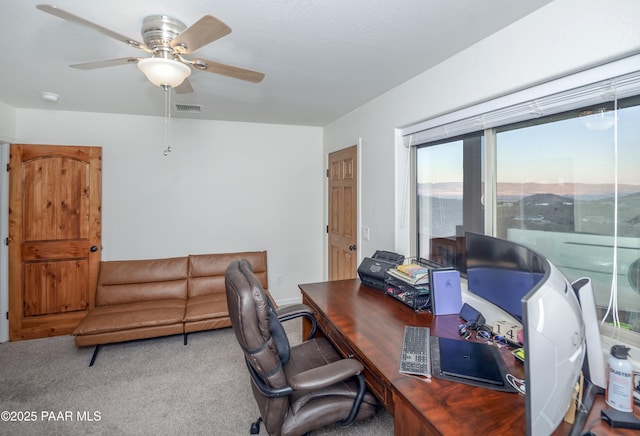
[(139, 299)]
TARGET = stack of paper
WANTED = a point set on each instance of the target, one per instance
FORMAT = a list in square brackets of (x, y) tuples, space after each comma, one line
[(412, 274)]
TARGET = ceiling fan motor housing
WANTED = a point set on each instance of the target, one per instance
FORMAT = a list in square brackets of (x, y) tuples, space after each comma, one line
[(158, 31)]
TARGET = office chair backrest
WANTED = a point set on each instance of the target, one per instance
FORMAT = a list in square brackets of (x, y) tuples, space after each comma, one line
[(261, 337)]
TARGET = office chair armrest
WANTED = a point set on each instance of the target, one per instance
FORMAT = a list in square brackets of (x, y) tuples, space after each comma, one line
[(326, 375), (293, 311), (265, 389)]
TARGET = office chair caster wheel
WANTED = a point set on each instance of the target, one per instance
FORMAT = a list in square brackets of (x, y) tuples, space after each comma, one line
[(255, 427)]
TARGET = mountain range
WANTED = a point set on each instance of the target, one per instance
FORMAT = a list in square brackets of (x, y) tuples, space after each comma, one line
[(511, 191)]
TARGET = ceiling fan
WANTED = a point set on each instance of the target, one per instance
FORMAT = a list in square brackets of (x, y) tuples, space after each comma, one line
[(167, 40)]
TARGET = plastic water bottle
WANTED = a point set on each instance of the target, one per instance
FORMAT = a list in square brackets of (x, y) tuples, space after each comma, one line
[(620, 386)]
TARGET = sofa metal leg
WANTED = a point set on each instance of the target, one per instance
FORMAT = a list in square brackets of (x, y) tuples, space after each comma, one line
[(185, 337), (95, 354)]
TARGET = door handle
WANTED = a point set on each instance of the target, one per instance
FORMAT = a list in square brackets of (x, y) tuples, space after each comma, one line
[(93, 249), (352, 247)]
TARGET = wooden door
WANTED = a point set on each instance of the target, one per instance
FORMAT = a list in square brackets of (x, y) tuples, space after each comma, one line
[(343, 213), (54, 237)]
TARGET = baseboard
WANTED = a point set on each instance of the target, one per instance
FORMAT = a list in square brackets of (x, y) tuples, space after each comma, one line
[(288, 301)]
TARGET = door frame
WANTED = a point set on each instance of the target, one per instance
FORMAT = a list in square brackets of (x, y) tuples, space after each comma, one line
[(4, 249), (358, 145)]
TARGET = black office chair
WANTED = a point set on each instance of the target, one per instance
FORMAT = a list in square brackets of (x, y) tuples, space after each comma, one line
[(298, 388)]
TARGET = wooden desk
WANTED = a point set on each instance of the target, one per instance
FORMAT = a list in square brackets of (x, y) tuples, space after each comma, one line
[(364, 323)]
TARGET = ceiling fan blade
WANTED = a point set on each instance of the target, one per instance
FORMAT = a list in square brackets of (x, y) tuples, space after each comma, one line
[(184, 87), (207, 29), (104, 64), (227, 70), (53, 10)]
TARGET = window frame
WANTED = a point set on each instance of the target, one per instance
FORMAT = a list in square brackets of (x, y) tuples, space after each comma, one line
[(619, 79), (473, 145)]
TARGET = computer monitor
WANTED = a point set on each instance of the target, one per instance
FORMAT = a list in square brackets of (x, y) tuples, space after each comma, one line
[(593, 368), (554, 343), (501, 272), (594, 362), (527, 286)]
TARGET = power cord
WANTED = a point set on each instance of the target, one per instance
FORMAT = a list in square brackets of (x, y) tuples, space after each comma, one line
[(589, 432)]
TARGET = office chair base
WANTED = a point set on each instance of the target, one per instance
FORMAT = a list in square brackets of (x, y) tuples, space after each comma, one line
[(255, 427)]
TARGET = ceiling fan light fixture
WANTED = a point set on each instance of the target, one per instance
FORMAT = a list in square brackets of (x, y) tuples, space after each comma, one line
[(161, 71)]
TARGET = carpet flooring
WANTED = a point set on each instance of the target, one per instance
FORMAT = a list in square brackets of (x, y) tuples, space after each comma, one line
[(149, 387)]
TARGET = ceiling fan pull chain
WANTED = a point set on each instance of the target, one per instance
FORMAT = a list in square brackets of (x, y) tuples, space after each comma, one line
[(167, 118)]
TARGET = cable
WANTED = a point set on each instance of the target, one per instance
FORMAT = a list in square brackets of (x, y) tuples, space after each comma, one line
[(591, 425), (613, 296), (518, 384)]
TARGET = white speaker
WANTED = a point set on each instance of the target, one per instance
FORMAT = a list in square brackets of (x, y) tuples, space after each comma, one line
[(594, 368)]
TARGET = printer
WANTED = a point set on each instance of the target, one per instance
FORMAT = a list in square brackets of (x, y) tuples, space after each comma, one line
[(372, 271)]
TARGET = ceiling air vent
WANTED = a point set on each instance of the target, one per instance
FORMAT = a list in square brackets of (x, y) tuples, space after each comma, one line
[(193, 108)]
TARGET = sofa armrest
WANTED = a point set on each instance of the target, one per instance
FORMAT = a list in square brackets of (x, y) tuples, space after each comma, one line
[(326, 375), (292, 311)]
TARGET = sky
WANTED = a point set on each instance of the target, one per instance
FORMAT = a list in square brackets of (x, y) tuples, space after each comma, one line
[(560, 152)]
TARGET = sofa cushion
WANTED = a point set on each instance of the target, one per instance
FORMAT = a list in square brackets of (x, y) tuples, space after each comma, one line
[(130, 281), (206, 271), (206, 307), (118, 317)]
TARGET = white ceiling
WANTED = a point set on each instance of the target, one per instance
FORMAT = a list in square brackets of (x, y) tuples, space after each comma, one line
[(322, 58)]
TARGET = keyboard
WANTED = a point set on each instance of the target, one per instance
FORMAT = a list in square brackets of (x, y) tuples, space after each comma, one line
[(416, 352)]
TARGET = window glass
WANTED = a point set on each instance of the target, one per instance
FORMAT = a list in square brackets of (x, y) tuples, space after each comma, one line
[(449, 191), (555, 192)]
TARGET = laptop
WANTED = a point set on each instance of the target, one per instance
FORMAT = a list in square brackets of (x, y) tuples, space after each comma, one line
[(470, 360)]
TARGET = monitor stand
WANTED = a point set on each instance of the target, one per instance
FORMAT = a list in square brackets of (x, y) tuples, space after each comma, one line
[(588, 397)]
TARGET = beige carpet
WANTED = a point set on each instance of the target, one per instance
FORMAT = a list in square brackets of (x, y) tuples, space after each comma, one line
[(151, 387)]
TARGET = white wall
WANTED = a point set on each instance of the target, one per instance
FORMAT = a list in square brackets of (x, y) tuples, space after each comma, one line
[(561, 38), (7, 122), (225, 187)]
